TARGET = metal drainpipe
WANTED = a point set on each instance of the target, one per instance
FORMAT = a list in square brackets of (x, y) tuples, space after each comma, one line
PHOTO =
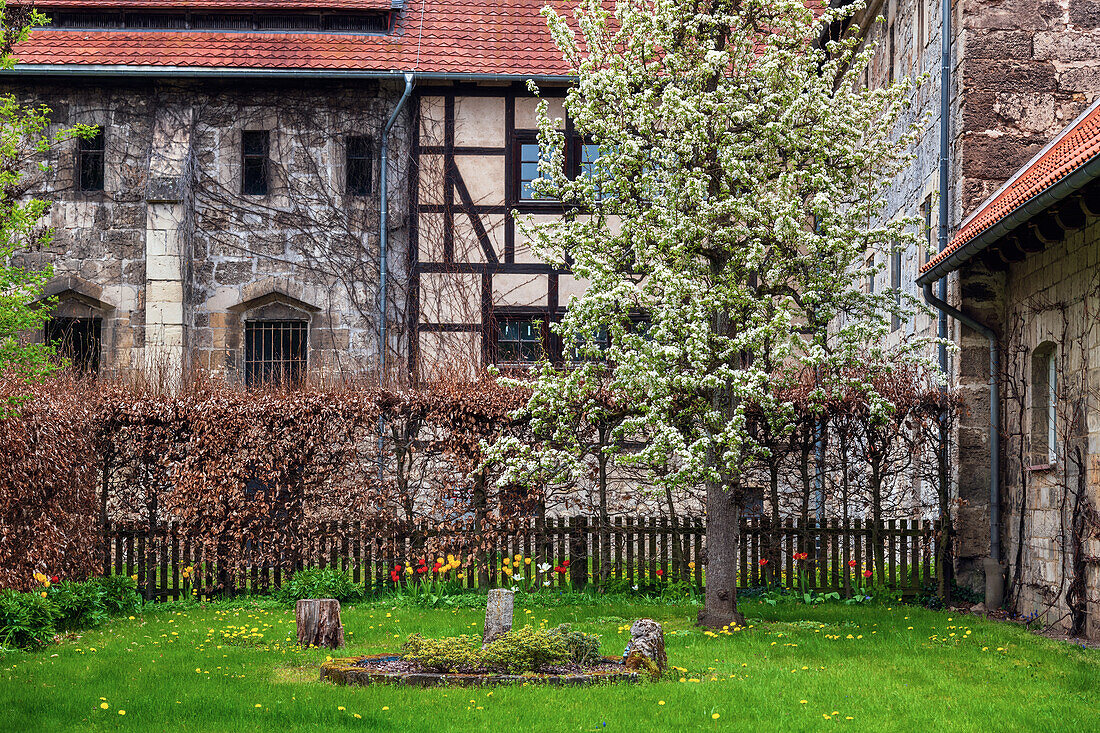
[(383, 254), (994, 590)]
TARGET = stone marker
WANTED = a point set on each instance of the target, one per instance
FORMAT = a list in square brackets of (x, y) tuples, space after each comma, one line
[(498, 614), (319, 622), (646, 650)]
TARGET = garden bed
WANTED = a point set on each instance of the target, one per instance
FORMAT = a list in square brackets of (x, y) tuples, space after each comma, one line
[(390, 668)]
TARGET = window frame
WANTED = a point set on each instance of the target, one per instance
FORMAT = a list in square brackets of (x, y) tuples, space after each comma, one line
[(364, 160), (541, 317), (91, 155), (895, 285), (1044, 405), (92, 326), (289, 371), (263, 187)]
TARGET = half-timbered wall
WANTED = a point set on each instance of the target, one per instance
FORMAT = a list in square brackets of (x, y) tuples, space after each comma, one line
[(474, 271)]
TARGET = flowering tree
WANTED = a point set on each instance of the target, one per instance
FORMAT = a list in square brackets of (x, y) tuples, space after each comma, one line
[(721, 230)]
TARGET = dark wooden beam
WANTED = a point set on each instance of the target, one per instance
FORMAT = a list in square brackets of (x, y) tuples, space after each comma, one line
[(1090, 200), (1047, 229), (1028, 241), (1069, 215), (992, 258), (1011, 250)]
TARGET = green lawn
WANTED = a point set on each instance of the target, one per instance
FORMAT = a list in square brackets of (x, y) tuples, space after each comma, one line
[(796, 668)]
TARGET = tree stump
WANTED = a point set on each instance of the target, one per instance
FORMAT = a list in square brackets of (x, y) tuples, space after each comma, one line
[(498, 614), (646, 650), (319, 622)]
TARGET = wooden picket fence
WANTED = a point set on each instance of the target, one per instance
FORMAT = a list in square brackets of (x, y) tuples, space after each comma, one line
[(645, 553)]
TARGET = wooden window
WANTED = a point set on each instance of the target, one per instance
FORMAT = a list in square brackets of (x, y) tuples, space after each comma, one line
[(520, 339), (275, 352), (91, 161), (601, 339), (254, 162), (77, 340), (359, 165), (869, 265), (926, 217), (1044, 392)]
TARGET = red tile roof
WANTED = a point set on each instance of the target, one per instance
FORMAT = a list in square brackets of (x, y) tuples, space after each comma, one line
[(1069, 151), (461, 37), (184, 5)]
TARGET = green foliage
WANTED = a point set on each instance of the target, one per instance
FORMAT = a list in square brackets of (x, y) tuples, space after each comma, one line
[(319, 583), (583, 648), (26, 619), (524, 649), (24, 137), (78, 605), (449, 654), (119, 594)]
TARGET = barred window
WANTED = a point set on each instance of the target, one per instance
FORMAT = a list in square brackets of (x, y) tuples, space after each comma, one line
[(91, 161), (275, 352), (1044, 403), (254, 155), (77, 340)]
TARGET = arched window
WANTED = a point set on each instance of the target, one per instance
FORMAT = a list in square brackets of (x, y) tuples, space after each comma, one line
[(1044, 390)]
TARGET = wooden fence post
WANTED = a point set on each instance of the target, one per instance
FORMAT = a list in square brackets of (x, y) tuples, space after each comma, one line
[(578, 552)]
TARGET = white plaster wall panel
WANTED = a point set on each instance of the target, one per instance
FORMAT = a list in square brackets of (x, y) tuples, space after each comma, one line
[(432, 119), (524, 251), (484, 178), (510, 289), (468, 248), (570, 286), (449, 355), (430, 184), (479, 121), (450, 298), (527, 118)]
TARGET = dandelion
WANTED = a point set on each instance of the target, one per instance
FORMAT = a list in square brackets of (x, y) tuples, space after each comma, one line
[(385, 707), (716, 716), (104, 705), (357, 715), (341, 708), (259, 705), (121, 712), (660, 702), (803, 701)]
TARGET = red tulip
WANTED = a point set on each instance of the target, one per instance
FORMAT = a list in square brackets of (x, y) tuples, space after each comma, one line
[(436, 567), (394, 575), (53, 578), (763, 561), (660, 573), (867, 573), (565, 564), (800, 555), (851, 563)]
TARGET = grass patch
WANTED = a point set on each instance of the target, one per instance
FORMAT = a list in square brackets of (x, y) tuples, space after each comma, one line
[(873, 667)]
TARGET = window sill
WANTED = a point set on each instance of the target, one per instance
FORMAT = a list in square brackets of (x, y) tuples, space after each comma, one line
[(1041, 467)]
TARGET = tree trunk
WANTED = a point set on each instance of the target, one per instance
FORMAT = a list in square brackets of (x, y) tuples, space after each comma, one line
[(723, 528), (605, 520), (319, 623)]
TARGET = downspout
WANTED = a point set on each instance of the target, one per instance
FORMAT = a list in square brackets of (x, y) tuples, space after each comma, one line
[(993, 573), (383, 254)]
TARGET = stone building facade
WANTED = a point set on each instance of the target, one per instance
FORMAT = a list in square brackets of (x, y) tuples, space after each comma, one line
[(178, 266), (1021, 71)]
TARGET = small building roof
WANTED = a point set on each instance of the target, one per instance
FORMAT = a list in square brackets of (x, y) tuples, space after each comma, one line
[(1067, 163)]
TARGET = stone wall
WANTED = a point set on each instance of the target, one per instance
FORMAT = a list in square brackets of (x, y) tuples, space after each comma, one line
[(1051, 297), (175, 258)]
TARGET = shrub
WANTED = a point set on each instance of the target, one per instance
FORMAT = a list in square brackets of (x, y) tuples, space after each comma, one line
[(583, 648), (77, 605), (26, 619), (450, 654), (526, 649), (318, 583), (119, 593)]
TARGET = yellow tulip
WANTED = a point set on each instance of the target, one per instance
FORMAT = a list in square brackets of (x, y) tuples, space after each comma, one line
[(526, 561)]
